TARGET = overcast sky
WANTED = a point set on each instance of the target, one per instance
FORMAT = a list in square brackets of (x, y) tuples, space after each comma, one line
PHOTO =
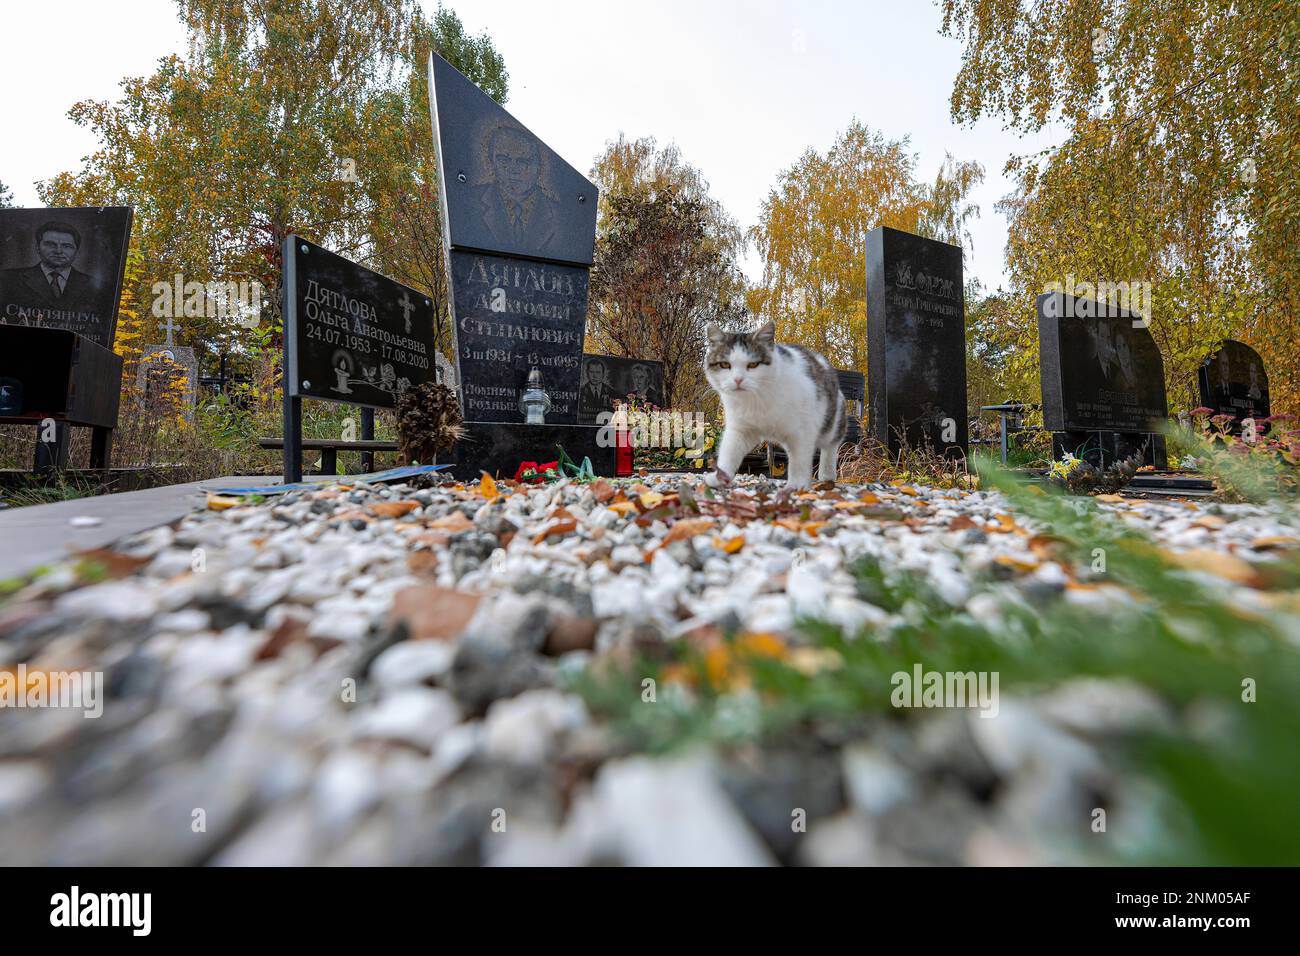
[(742, 86)]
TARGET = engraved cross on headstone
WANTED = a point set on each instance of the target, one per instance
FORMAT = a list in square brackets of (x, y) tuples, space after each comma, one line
[(407, 307)]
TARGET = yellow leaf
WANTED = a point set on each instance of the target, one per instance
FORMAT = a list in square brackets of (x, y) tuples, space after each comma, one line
[(731, 545), (811, 660), (487, 487), (686, 528), (1008, 561), (1216, 562), (1270, 542)]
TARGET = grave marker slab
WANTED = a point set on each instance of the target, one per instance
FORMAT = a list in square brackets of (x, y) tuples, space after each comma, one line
[(916, 342), (159, 362), (1233, 382), (1102, 380), (62, 268), (513, 315), (853, 386), (351, 334), (519, 228)]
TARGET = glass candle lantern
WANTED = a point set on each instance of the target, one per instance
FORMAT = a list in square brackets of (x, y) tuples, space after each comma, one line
[(535, 403)]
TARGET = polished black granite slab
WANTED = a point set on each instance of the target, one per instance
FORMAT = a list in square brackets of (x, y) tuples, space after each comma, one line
[(499, 447)]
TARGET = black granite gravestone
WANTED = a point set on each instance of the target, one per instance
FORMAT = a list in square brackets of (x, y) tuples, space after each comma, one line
[(506, 191), (1102, 380), (519, 228), (514, 315), (916, 342), (609, 378), (62, 268), (351, 335), (1233, 382)]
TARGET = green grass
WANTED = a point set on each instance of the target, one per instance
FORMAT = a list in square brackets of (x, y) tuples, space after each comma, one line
[(1232, 795), (61, 490)]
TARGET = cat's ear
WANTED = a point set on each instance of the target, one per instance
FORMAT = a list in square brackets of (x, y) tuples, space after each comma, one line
[(765, 335), (713, 332)]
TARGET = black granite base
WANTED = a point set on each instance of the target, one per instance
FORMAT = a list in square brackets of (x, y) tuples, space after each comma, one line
[(1102, 449), (1168, 482), (499, 447)]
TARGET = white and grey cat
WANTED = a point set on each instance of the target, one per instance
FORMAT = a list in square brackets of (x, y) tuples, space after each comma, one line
[(781, 393)]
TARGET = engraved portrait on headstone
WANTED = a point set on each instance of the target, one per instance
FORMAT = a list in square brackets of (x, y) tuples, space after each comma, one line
[(505, 191), (609, 379), (62, 268), (641, 384), (518, 206)]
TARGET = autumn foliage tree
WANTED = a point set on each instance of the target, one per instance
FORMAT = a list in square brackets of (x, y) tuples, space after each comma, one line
[(665, 265), (304, 116), (1177, 168), (813, 226)]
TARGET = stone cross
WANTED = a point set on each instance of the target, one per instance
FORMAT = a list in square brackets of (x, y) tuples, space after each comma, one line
[(169, 328)]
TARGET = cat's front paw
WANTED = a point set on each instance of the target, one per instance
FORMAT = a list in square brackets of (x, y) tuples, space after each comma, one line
[(717, 479)]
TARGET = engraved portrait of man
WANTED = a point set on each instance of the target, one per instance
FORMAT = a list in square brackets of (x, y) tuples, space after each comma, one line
[(641, 384), (596, 393), (53, 281), (516, 204)]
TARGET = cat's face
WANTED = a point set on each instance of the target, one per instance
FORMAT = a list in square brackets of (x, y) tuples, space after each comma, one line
[(739, 363)]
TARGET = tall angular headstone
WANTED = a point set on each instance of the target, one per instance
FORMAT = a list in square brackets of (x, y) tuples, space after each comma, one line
[(916, 342), (1102, 380), (520, 226), (1233, 382)]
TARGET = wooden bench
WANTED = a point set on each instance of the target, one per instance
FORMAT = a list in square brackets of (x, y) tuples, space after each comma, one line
[(329, 449)]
